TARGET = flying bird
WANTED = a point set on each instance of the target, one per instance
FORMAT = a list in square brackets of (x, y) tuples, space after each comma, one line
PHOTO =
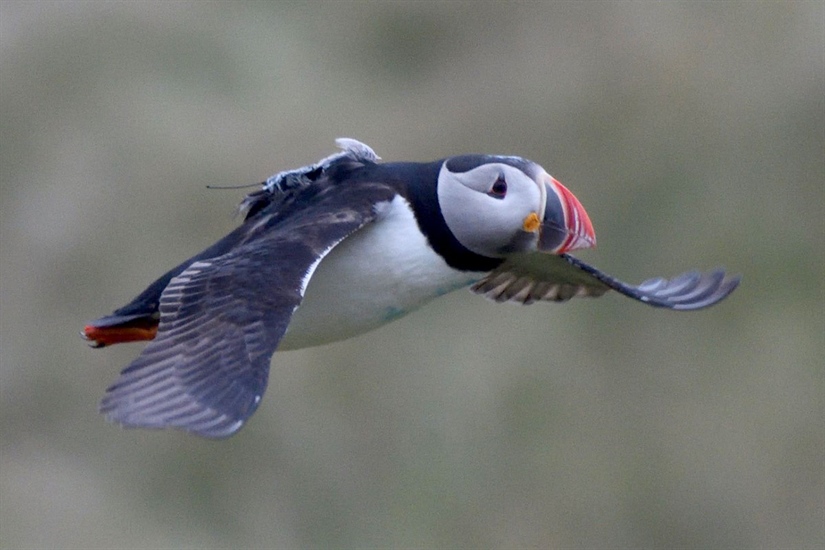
[(338, 248)]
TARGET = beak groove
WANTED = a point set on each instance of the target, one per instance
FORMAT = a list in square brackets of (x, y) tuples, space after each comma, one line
[(566, 225)]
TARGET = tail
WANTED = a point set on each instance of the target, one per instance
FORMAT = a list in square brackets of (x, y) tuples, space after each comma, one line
[(138, 320), (116, 329)]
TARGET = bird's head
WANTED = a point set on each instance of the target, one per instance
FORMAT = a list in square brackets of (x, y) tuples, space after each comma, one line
[(497, 205)]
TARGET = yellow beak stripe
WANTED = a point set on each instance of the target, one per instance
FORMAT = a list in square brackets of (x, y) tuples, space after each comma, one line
[(531, 222)]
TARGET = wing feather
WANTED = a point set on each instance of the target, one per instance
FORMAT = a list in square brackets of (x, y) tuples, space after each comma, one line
[(221, 320), (528, 278)]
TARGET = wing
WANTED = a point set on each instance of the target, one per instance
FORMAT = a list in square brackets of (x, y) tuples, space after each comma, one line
[(222, 318), (527, 278)]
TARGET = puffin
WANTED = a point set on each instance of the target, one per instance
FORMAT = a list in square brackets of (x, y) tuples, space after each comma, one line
[(338, 248)]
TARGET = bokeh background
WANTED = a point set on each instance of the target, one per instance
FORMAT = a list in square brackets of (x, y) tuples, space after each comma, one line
[(694, 134)]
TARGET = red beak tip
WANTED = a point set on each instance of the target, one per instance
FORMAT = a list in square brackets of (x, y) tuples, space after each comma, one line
[(579, 227)]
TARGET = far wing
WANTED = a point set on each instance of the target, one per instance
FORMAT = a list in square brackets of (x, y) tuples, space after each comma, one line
[(527, 278), (222, 318)]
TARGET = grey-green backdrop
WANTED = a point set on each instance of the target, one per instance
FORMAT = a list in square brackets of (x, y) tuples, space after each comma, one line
[(694, 134)]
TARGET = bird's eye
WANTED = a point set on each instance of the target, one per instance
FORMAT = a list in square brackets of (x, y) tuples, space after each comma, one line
[(499, 189)]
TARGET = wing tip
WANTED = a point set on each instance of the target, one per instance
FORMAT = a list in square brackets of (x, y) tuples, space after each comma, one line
[(185, 415), (217, 428), (708, 289)]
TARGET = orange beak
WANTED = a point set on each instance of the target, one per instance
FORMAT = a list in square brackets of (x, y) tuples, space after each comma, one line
[(566, 225)]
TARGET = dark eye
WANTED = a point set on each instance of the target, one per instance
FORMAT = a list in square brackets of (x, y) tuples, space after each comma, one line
[(499, 189)]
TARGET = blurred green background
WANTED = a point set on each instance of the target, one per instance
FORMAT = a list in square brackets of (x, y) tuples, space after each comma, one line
[(693, 133)]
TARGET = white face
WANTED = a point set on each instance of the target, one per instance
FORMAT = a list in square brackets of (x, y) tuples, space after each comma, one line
[(486, 208)]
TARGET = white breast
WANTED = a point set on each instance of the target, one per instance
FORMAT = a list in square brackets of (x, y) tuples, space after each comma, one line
[(379, 274)]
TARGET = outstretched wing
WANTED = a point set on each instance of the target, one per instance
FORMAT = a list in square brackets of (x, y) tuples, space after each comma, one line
[(222, 318), (527, 278)]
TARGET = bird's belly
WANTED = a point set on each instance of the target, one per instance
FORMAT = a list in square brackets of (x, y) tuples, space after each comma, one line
[(379, 274)]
